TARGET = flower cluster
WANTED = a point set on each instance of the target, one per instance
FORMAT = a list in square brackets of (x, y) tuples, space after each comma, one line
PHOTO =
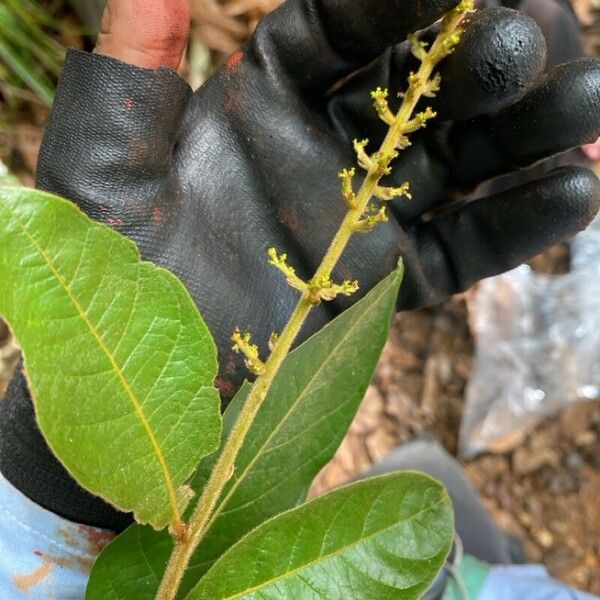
[(364, 214)]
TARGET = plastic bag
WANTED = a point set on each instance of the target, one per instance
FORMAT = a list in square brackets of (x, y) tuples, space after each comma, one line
[(537, 349)]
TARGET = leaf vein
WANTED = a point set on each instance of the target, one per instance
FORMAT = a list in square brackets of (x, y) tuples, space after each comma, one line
[(292, 408), (338, 551), (117, 369)]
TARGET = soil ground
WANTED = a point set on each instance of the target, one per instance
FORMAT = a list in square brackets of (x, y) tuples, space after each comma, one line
[(545, 490)]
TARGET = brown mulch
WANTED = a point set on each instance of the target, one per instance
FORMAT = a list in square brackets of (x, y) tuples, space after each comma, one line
[(544, 492), (9, 356), (224, 25)]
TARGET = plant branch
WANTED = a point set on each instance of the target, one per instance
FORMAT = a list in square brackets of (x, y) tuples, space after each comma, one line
[(360, 216)]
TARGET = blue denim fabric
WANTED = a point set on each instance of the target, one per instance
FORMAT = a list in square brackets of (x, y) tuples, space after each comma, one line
[(42, 556), (481, 581), (527, 582)]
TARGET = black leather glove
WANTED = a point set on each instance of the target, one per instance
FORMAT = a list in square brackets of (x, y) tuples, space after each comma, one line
[(206, 182)]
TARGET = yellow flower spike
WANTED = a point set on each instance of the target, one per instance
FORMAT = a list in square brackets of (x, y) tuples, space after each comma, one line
[(427, 114), (451, 42), (452, 28), (380, 216), (369, 222), (380, 96), (242, 342), (347, 288), (419, 121), (414, 81), (347, 175), (381, 105), (319, 282), (403, 143), (422, 83), (466, 6), (273, 340), (322, 289), (280, 262), (385, 194), (418, 47), (382, 160), (432, 87), (364, 160)]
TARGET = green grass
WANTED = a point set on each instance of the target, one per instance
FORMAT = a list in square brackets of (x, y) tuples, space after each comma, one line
[(30, 56)]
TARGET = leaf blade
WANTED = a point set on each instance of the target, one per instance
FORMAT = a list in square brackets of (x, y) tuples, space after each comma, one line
[(118, 330), (345, 544), (370, 316), (303, 409), (140, 577)]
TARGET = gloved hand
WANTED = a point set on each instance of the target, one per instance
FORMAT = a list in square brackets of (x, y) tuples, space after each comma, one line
[(206, 182)]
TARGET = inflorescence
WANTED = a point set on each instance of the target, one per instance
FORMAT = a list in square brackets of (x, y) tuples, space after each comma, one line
[(365, 215)]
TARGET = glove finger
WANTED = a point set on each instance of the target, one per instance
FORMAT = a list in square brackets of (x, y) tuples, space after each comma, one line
[(561, 28), (503, 52), (560, 113), (319, 42), (501, 55), (495, 234)]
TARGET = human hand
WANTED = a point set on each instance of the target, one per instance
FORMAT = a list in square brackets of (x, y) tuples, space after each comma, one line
[(145, 33), (204, 184), (256, 159)]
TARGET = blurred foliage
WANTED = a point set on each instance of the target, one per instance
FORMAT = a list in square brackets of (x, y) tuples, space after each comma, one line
[(30, 55), (33, 36)]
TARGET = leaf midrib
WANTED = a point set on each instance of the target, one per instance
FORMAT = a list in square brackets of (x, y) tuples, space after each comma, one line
[(117, 369), (325, 557), (259, 453)]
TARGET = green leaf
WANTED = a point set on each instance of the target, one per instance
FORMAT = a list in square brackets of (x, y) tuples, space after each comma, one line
[(139, 576), (311, 405), (297, 431), (27, 47), (381, 538), (133, 564), (119, 362)]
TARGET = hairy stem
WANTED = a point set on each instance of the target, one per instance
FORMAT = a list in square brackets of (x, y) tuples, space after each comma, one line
[(224, 468), (420, 84)]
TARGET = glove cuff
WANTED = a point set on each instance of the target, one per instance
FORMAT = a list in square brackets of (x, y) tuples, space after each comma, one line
[(29, 465)]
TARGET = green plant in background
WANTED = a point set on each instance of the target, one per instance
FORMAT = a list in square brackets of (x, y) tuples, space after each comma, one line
[(89, 12), (30, 57), (145, 359)]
